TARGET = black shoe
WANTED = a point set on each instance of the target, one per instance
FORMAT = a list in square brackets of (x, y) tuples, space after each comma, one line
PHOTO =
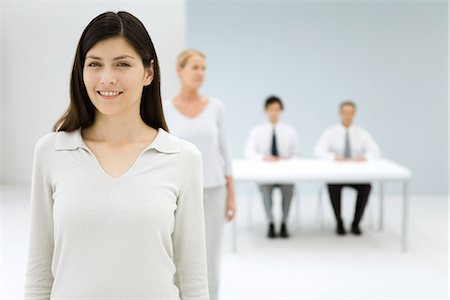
[(271, 233), (283, 231), (356, 230), (340, 230)]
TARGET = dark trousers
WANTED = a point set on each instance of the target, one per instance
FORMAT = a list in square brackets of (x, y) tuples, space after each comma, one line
[(363, 191)]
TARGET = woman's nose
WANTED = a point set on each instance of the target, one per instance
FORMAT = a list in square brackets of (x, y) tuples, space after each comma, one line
[(108, 77), (201, 73)]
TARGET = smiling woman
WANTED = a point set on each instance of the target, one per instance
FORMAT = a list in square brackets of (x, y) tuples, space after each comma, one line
[(116, 202), (131, 51), (114, 77)]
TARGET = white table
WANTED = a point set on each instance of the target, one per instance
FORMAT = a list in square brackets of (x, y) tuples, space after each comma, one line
[(312, 170)]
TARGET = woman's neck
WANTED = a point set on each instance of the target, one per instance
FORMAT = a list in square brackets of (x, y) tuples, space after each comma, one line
[(118, 129), (188, 94)]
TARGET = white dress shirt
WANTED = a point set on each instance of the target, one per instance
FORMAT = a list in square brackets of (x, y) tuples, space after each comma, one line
[(207, 131), (332, 143), (259, 142), (137, 236)]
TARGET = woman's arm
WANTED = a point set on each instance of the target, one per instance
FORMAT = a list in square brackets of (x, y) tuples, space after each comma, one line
[(39, 277), (189, 238), (230, 210)]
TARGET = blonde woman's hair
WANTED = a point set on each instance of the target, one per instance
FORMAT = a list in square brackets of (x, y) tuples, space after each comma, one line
[(184, 56)]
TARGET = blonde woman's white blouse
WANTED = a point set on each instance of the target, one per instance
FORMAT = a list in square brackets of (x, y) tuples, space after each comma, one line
[(208, 132)]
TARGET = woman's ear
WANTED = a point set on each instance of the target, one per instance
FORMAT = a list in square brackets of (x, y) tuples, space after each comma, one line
[(148, 75), (179, 71)]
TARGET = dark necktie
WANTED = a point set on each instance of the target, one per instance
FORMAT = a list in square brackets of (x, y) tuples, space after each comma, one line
[(274, 149), (347, 150)]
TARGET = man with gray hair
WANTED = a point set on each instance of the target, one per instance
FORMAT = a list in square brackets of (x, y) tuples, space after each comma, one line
[(346, 143)]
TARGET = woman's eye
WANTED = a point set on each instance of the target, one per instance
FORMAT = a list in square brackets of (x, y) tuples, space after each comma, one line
[(93, 64), (122, 65)]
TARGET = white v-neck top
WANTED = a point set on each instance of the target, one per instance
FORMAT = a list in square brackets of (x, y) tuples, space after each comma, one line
[(137, 236), (207, 131)]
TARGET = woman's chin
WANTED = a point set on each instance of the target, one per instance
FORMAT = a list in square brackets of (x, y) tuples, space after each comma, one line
[(196, 85)]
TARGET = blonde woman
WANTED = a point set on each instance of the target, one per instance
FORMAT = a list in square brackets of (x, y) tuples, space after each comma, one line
[(200, 119)]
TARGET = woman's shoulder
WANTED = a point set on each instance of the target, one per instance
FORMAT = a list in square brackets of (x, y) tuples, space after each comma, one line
[(186, 150), (45, 148), (47, 142), (54, 141), (216, 107), (216, 102), (189, 151)]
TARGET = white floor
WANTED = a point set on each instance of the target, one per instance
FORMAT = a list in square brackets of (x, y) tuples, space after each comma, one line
[(312, 264)]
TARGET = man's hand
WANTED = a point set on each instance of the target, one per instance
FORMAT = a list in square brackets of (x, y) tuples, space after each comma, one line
[(360, 158), (270, 158)]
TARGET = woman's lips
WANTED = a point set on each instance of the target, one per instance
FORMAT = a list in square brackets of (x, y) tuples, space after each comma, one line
[(109, 94)]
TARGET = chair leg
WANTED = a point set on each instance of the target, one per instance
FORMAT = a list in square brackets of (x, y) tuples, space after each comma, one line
[(320, 207), (297, 208), (380, 221)]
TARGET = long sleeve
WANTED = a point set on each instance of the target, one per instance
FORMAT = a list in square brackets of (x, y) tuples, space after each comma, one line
[(39, 278), (223, 142), (251, 151), (371, 148), (322, 149), (189, 240)]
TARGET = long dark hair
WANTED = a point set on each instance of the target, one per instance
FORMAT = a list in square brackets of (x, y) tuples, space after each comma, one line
[(81, 111)]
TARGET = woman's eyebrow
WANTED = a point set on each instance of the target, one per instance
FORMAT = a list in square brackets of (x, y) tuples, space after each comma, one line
[(117, 58), (123, 56), (93, 57)]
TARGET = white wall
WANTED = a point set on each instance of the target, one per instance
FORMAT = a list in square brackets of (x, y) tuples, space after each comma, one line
[(38, 46), (2, 99), (389, 56)]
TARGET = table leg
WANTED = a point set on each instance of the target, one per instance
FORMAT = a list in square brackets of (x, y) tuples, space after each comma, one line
[(405, 217), (249, 206), (381, 213)]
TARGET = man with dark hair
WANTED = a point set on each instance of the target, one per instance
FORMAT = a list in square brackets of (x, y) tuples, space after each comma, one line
[(347, 143), (273, 141), (271, 100)]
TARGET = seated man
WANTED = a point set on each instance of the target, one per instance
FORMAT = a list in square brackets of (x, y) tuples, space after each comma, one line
[(273, 141), (346, 142)]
